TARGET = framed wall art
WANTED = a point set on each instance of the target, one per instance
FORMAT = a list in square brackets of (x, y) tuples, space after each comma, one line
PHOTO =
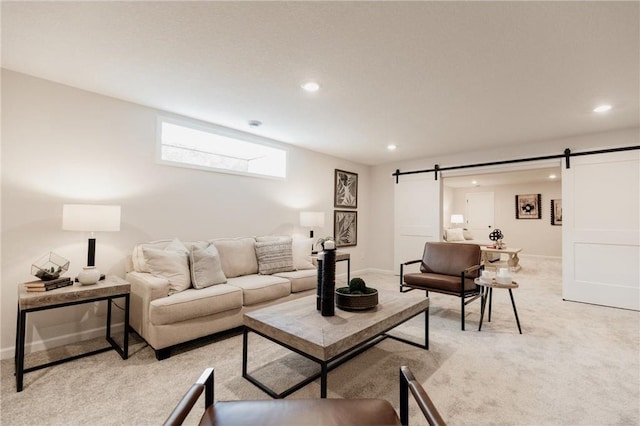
[(556, 212), (528, 206), (345, 189), (345, 228)]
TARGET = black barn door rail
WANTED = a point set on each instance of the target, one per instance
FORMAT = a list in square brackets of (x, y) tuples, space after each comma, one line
[(566, 155)]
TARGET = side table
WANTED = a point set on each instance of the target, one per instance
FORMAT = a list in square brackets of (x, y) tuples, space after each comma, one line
[(486, 292), (110, 288), (341, 256)]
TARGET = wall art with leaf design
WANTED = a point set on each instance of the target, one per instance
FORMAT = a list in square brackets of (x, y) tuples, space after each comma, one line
[(346, 189), (345, 228)]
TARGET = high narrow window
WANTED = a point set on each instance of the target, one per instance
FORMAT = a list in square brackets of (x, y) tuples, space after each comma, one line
[(210, 148)]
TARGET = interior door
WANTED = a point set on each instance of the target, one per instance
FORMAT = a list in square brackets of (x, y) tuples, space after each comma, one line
[(479, 212), (601, 230), (417, 216)]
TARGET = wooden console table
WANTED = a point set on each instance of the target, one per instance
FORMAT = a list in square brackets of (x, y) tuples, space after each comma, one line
[(108, 289), (513, 261)]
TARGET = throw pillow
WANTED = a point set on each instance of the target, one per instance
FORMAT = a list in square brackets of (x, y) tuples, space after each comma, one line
[(172, 265), (206, 268), (302, 253), (274, 256), (455, 234), (467, 234)]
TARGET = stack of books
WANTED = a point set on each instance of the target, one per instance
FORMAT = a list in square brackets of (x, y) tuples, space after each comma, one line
[(48, 285)]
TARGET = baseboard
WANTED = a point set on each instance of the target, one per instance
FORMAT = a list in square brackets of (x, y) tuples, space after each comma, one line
[(539, 256), (41, 345)]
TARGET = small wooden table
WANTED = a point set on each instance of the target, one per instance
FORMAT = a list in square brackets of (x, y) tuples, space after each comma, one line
[(298, 326), (513, 261), (110, 288), (486, 292)]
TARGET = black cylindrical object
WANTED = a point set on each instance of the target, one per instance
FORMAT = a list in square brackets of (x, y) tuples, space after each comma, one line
[(328, 296), (319, 289)]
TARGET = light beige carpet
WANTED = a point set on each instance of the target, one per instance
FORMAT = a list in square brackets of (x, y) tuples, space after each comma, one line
[(575, 364)]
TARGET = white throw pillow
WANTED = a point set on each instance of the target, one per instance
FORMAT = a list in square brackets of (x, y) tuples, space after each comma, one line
[(302, 253), (206, 268), (172, 265), (467, 234), (455, 234), (274, 256)]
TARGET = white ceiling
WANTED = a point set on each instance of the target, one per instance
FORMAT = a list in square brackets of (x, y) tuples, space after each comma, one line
[(435, 78)]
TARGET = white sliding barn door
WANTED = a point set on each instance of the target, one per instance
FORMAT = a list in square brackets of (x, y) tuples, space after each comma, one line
[(417, 216), (601, 230)]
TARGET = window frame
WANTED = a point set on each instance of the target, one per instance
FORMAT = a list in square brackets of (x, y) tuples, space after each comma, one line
[(221, 131)]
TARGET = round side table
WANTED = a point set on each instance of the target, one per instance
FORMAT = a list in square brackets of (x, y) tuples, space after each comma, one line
[(486, 292)]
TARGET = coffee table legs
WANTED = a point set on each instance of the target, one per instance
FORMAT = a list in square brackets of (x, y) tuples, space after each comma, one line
[(325, 366)]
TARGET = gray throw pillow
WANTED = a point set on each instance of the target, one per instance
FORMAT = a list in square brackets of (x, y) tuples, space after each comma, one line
[(206, 268), (274, 256)]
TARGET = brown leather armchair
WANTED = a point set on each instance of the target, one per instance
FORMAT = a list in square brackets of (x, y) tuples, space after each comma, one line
[(283, 412), (446, 268)]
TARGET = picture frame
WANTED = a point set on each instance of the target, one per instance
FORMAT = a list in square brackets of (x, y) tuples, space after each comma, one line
[(528, 206), (556, 212), (345, 228), (345, 189)]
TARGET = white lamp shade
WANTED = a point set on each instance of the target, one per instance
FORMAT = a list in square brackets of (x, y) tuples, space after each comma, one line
[(312, 219), (90, 217), (457, 218)]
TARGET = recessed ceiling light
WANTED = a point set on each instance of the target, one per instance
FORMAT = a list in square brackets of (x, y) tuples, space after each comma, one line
[(552, 176), (602, 108), (311, 86), (391, 147), (474, 182)]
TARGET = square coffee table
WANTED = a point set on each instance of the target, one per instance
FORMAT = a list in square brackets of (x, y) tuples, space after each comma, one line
[(298, 326)]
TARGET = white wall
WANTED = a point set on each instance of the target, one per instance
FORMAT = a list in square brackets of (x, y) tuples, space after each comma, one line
[(534, 236), (63, 145), (381, 215)]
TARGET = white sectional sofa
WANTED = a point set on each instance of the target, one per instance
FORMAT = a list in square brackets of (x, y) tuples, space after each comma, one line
[(185, 291)]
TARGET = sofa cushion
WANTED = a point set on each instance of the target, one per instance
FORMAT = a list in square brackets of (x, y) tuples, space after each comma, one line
[(274, 256), (171, 264), (454, 234), (237, 255), (194, 303), (301, 248), (206, 269), (301, 280), (137, 256), (260, 288)]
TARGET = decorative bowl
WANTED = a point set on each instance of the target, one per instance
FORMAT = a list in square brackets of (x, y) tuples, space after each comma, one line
[(356, 302), (49, 267)]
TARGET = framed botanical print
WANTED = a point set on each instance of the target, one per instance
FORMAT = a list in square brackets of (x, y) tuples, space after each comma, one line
[(345, 228), (345, 189), (528, 206), (556, 212)]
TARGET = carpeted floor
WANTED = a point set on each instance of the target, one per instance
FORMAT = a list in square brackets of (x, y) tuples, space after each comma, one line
[(574, 364)]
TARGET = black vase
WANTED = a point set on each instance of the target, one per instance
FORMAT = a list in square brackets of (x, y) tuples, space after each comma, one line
[(319, 285), (328, 293)]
